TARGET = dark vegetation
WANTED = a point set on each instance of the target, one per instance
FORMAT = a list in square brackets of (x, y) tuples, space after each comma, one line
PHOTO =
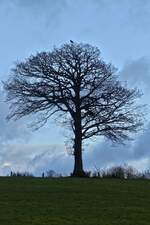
[(74, 84), (21, 174), (74, 201), (119, 172)]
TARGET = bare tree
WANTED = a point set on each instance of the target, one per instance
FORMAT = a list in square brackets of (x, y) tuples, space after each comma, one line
[(74, 83)]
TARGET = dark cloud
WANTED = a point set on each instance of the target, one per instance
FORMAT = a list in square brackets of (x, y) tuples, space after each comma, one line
[(11, 130), (137, 72), (42, 12), (35, 6), (135, 153)]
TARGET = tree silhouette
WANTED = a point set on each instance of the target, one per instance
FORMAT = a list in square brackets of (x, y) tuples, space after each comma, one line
[(74, 83)]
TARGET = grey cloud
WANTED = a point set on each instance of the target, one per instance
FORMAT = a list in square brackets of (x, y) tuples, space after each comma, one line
[(11, 130), (141, 148), (135, 153), (137, 72), (36, 6), (140, 12), (104, 154), (45, 11)]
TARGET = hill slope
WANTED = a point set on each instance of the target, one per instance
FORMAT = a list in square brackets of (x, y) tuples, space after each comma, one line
[(70, 201)]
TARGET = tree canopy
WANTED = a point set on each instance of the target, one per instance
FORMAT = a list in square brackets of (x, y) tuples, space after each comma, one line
[(74, 83)]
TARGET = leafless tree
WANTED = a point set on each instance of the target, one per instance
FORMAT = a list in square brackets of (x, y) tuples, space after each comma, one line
[(74, 83)]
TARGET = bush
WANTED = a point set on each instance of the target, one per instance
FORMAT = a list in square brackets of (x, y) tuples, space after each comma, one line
[(52, 173), (121, 172), (20, 174), (114, 172)]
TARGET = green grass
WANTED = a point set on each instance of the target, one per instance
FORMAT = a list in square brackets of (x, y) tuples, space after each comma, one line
[(70, 201)]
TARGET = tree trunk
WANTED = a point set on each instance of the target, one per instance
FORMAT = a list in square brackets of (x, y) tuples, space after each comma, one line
[(78, 164)]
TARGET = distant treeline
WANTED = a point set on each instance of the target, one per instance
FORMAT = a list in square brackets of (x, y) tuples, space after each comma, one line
[(119, 172), (49, 173)]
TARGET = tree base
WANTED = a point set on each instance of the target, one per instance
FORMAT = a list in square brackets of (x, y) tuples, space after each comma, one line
[(79, 174)]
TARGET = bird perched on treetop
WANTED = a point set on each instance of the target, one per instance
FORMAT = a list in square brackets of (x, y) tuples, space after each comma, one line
[(71, 41)]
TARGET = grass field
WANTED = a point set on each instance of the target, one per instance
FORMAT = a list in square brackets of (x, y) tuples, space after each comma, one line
[(70, 201)]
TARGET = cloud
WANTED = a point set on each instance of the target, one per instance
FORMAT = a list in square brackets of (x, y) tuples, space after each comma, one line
[(43, 13), (137, 72), (137, 75), (11, 130), (35, 7), (18, 153), (135, 153), (35, 159)]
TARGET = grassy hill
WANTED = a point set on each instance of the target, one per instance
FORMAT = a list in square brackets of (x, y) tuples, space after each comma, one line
[(70, 201)]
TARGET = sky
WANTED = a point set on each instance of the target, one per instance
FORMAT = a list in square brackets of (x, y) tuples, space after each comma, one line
[(120, 29)]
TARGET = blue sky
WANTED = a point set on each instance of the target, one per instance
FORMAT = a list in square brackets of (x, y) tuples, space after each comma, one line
[(119, 28)]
